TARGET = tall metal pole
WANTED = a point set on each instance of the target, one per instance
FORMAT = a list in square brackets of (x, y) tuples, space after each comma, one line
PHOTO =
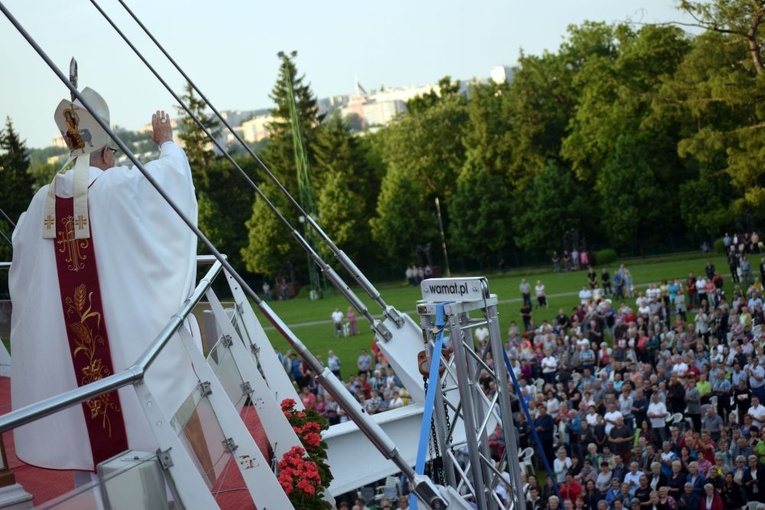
[(443, 237), (304, 181)]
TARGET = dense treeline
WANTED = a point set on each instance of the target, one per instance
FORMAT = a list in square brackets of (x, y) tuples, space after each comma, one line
[(626, 134)]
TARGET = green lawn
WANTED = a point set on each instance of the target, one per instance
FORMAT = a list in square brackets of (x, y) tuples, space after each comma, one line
[(310, 320)]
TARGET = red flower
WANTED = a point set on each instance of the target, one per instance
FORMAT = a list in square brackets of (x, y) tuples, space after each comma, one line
[(303, 470), (312, 440), (311, 426)]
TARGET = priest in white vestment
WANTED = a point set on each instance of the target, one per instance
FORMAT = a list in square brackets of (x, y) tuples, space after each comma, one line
[(146, 268)]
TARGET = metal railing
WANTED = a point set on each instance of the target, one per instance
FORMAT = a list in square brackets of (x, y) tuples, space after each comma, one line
[(131, 375)]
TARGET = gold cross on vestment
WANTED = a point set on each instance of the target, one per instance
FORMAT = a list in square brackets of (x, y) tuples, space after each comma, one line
[(48, 221), (81, 222)]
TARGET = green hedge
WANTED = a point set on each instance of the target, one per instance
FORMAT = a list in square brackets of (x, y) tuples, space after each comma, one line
[(602, 257), (719, 246)]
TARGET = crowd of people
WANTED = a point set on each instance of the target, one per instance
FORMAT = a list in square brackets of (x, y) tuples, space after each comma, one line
[(648, 398), (415, 274), (372, 381), (643, 397)]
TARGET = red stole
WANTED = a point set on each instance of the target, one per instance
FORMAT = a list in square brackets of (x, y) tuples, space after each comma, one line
[(87, 333)]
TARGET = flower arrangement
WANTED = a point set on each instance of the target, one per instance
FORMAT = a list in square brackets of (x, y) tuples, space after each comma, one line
[(303, 471)]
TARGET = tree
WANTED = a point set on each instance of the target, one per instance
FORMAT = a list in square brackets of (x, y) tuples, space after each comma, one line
[(479, 219), (715, 98), (404, 219), (538, 106), (269, 252), (487, 124), (637, 207), (225, 206), (196, 144), (552, 203), (347, 189), (705, 204), (16, 187), (616, 92), (280, 153), (423, 153), (428, 146), (16, 184), (478, 222), (422, 102), (741, 19)]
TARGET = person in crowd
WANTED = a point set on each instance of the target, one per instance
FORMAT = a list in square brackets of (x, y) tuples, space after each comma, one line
[(337, 321), (353, 327), (711, 499), (689, 499), (732, 494), (753, 480)]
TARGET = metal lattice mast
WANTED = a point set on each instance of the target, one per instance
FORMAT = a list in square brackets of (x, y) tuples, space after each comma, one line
[(467, 463), (304, 181)]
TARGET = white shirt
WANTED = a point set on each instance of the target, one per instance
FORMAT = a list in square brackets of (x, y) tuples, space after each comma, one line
[(549, 364), (759, 371), (585, 295), (680, 369), (337, 316), (657, 408), (561, 467), (633, 480), (758, 415), (611, 417)]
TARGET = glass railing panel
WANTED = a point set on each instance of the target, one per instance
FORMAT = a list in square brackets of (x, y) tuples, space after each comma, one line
[(224, 366), (201, 434), (133, 480)]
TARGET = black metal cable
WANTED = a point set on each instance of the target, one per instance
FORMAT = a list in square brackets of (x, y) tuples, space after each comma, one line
[(331, 274), (422, 488), (344, 260), (124, 148), (6, 239), (7, 218)]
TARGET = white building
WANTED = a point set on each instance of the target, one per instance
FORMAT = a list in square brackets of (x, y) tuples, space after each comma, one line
[(254, 130)]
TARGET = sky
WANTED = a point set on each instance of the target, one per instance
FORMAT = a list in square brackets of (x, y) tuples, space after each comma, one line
[(229, 48)]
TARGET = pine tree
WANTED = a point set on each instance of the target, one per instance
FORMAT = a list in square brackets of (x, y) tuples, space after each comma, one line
[(280, 153), (271, 252), (16, 184), (16, 188)]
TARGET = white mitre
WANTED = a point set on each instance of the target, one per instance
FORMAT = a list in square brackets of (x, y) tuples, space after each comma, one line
[(82, 134)]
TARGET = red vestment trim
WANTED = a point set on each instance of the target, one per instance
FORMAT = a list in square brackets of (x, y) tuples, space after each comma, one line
[(87, 333)]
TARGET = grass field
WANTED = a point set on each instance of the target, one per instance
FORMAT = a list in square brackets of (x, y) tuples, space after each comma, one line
[(310, 320)]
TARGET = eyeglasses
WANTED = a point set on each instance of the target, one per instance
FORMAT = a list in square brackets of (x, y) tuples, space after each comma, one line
[(114, 150)]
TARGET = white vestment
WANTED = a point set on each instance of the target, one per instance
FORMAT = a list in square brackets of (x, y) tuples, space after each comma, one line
[(146, 259)]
